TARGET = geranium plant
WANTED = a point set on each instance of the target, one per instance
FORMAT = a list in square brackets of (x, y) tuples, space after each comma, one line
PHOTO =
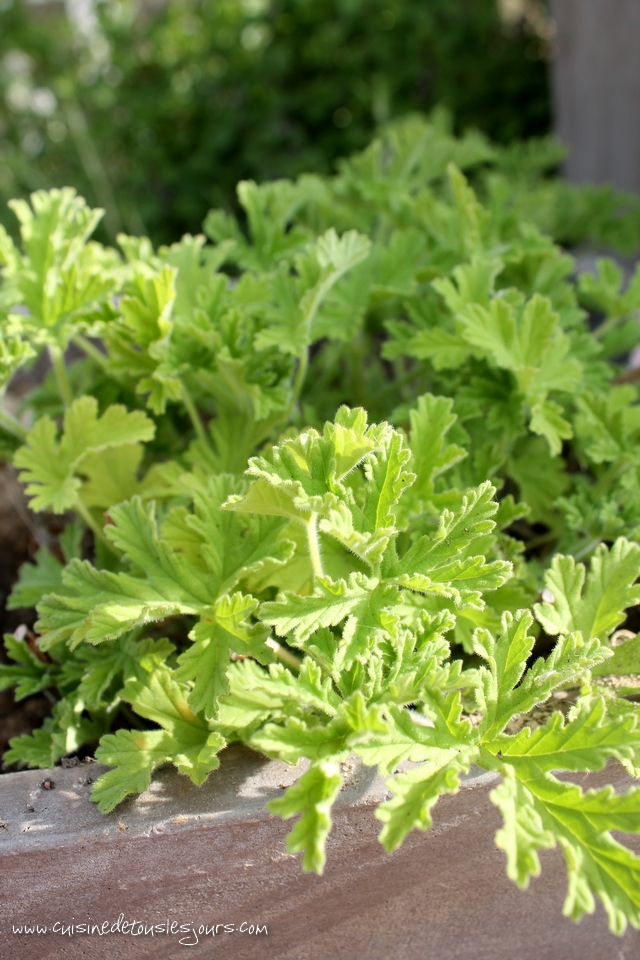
[(359, 476)]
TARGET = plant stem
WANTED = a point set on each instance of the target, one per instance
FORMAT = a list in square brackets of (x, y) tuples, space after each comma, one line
[(85, 514), (57, 361), (608, 325), (11, 425), (303, 366), (586, 549), (194, 416), (609, 476), (314, 545), (87, 347), (283, 654)]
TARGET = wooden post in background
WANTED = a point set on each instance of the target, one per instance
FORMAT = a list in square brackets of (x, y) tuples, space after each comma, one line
[(596, 90)]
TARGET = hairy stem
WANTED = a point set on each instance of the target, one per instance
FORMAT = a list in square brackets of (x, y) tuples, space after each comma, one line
[(611, 474), (88, 348), (194, 416), (85, 514), (586, 549), (283, 654), (303, 366), (11, 425), (57, 361), (314, 545)]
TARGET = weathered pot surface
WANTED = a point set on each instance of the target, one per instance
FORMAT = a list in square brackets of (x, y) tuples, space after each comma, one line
[(203, 857)]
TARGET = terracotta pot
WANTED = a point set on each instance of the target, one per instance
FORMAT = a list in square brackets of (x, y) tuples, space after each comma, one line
[(212, 855)]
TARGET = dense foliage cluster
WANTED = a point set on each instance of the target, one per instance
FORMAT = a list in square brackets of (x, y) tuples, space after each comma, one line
[(360, 479), (155, 111)]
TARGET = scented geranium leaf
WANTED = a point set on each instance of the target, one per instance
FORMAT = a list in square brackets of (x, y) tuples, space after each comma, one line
[(342, 313), (514, 342), (437, 564), (363, 602), (14, 353), (456, 530), (604, 290), (33, 749), (28, 673), (50, 466), (138, 342), (609, 425), (134, 754), (307, 468), (184, 740), (397, 737), (473, 283), (257, 693), (396, 264), (368, 547), (299, 299), (312, 796), (523, 833), (462, 581), (232, 546), (110, 666), (111, 476), (35, 580), (431, 455), (206, 661), (60, 277), (387, 478), (296, 739), (586, 742), (596, 863), (98, 605), (595, 607), (541, 478), (547, 420), (624, 662), (505, 688), (415, 793)]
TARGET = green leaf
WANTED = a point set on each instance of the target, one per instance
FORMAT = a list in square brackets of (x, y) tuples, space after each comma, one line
[(596, 863), (431, 455), (50, 466), (415, 793), (184, 740), (312, 796), (28, 673), (597, 607), (586, 742), (363, 602), (206, 662), (523, 833), (547, 420), (35, 580), (505, 688), (300, 299), (61, 278)]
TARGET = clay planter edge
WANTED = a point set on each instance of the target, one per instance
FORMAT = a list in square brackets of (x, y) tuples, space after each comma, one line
[(213, 856)]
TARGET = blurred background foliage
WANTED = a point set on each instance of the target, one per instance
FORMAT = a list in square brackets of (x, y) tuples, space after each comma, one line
[(154, 110)]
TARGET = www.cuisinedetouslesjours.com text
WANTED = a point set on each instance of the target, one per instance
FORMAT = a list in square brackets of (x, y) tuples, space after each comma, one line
[(189, 933)]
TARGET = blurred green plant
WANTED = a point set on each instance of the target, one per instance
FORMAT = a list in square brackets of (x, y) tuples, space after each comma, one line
[(154, 112)]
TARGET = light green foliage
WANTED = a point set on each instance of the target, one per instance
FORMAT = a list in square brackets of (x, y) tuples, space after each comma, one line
[(312, 796), (182, 739), (50, 466), (59, 278), (596, 605), (430, 441)]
